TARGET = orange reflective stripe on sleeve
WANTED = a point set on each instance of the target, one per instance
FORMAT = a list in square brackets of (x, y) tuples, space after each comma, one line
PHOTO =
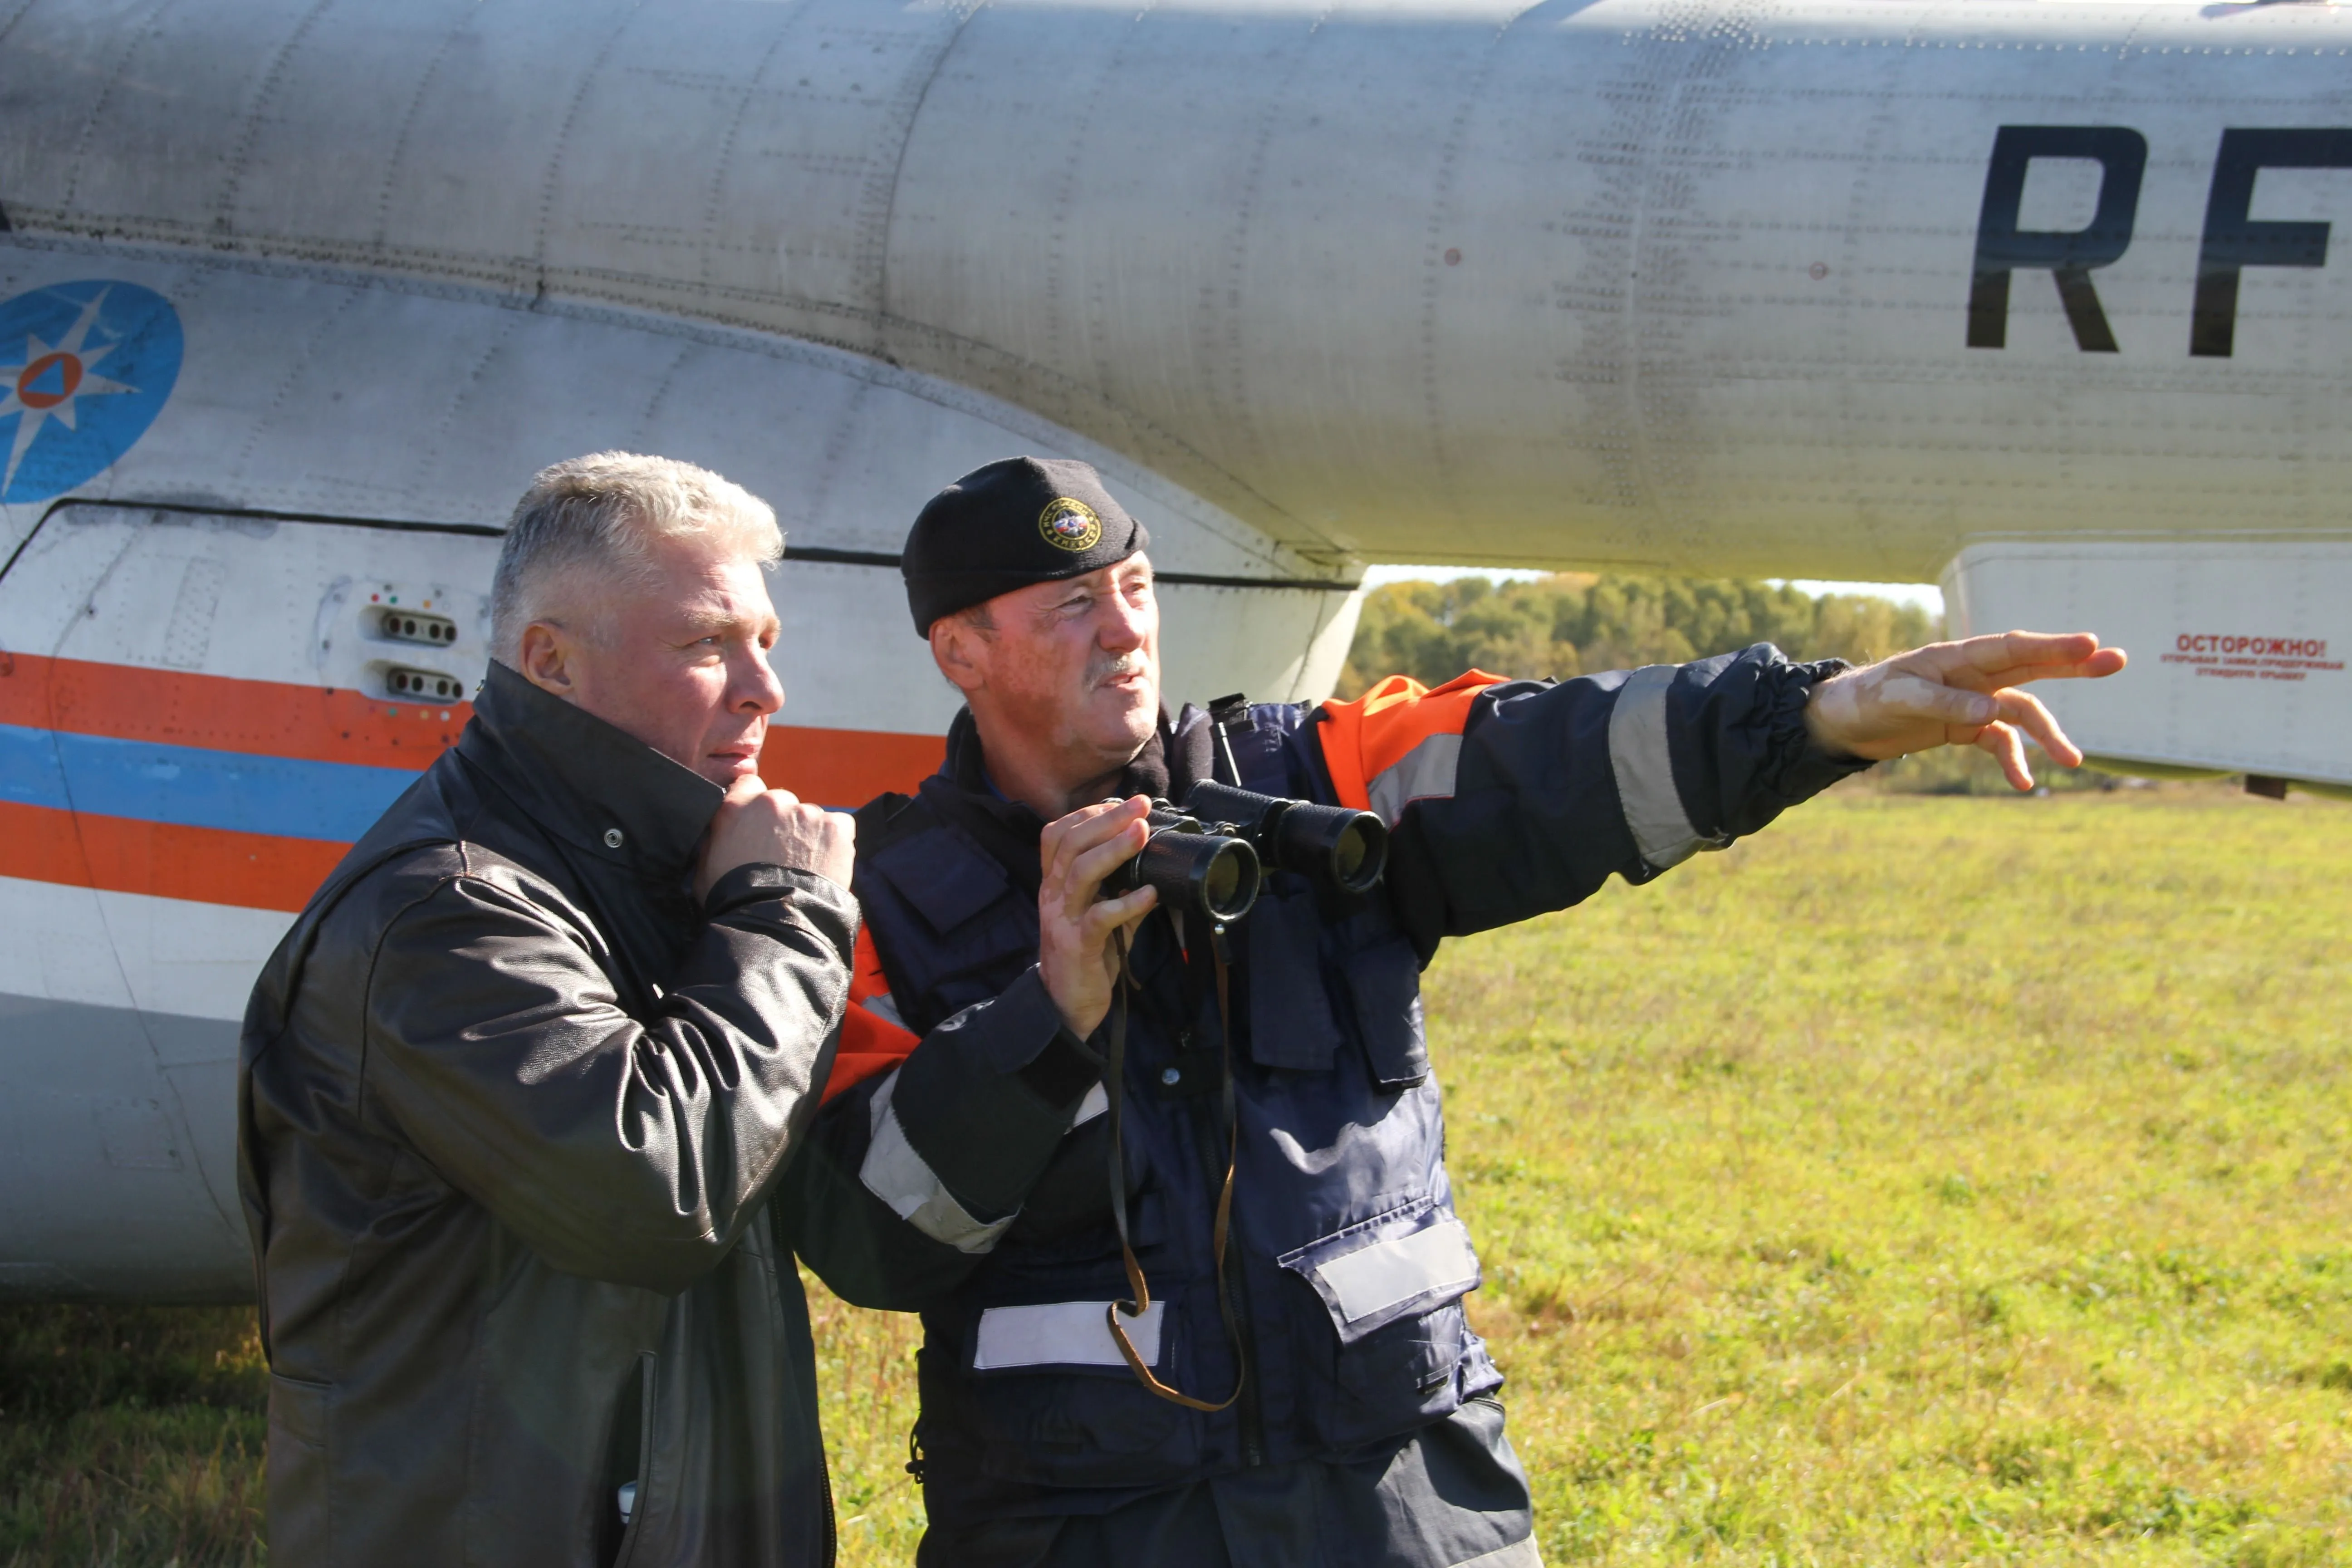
[(1400, 742), (872, 1041)]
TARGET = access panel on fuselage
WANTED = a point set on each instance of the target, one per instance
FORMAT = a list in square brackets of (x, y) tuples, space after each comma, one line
[(199, 713)]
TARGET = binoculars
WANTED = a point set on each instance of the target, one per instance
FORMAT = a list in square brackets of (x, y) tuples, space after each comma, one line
[(1206, 857)]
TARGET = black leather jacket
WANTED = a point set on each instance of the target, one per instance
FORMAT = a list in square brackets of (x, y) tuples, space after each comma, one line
[(508, 1104)]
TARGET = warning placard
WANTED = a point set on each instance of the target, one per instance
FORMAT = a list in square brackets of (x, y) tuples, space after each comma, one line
[(2226, 657)]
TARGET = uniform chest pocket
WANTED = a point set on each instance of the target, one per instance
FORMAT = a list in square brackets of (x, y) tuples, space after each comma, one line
[(949, 923), (1291, 1024), (1384, 982)]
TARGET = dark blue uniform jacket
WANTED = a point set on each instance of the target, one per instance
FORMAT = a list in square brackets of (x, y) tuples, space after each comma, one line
[(971, 1183)]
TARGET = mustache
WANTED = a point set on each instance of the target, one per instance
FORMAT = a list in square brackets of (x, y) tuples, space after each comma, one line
[(1109, 667)]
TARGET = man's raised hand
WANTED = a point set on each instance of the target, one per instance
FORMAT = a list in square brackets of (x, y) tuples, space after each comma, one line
[(756, 825), (1074, 952), (1959, 694)]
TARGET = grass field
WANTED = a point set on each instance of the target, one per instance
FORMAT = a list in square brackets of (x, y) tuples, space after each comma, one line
[(1929, 1180)]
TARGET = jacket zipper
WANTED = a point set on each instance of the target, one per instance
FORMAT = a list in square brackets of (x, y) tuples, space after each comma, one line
[(1252, 1418), (825, 1479)]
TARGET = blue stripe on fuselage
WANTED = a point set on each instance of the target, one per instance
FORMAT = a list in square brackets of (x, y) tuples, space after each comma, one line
[(240, 792)]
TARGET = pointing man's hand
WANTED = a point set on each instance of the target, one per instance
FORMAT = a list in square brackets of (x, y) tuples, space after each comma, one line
[(1957, 694)]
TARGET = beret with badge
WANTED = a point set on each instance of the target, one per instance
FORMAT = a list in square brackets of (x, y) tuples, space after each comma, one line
[(1007, 525)]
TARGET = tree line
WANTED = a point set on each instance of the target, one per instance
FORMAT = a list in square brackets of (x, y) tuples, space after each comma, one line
[(1567, 623)]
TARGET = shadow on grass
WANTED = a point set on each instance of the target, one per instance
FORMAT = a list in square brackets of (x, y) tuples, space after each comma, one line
[(131, 1435)]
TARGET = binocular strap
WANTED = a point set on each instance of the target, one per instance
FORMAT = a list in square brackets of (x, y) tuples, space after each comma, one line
[(1114, 1083)]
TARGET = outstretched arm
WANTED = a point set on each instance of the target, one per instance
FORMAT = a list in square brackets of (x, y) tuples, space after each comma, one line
[(1509, 798), (1960, 693)]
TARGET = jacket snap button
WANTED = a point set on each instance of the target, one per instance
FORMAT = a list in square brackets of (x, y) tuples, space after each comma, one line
[(1172, 1076), (612, 838)]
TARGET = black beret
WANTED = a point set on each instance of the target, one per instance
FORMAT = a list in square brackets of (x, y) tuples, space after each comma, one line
[(1015, 522)]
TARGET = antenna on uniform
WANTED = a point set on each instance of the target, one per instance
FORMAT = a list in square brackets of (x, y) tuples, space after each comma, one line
[(1223, 713)]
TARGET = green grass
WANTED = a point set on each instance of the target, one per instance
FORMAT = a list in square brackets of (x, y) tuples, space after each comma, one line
[(130, 1436), (1928, 1179), (1930, 1182)]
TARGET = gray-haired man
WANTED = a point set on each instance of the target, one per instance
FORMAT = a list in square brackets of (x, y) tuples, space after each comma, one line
[(520, 1077)]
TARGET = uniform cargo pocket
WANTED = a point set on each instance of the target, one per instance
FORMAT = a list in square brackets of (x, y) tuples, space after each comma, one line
[(1392, 1266), (1053, 1403), (1396, 1378), (1393, 1288)]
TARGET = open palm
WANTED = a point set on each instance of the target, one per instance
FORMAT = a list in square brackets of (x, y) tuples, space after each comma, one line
[(1962, 693)]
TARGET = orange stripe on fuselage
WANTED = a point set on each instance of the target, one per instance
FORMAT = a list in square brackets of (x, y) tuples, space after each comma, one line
[(847, 767), (219, 713), (205, 865), (324, 724), (831, 767)]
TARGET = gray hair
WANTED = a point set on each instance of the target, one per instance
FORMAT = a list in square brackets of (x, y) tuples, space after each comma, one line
[(601, 513)]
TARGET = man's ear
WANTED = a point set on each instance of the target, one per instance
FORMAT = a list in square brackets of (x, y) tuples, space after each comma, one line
[(547, 659), (961, 653)]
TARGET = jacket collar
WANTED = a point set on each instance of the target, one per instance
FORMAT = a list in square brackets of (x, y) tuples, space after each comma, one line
[(585, 781)]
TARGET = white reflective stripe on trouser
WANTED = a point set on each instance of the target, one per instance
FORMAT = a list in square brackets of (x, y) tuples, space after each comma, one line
[(1425, 772), (1376, 1277), (1638, 754), (1517, 1554), (894, 1172), (1062, 1333)]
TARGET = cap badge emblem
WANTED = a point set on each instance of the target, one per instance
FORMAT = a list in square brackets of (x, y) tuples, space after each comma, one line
[(1069, 525)]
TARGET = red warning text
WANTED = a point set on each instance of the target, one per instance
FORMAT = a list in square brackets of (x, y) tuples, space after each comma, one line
[(2226, 657)]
